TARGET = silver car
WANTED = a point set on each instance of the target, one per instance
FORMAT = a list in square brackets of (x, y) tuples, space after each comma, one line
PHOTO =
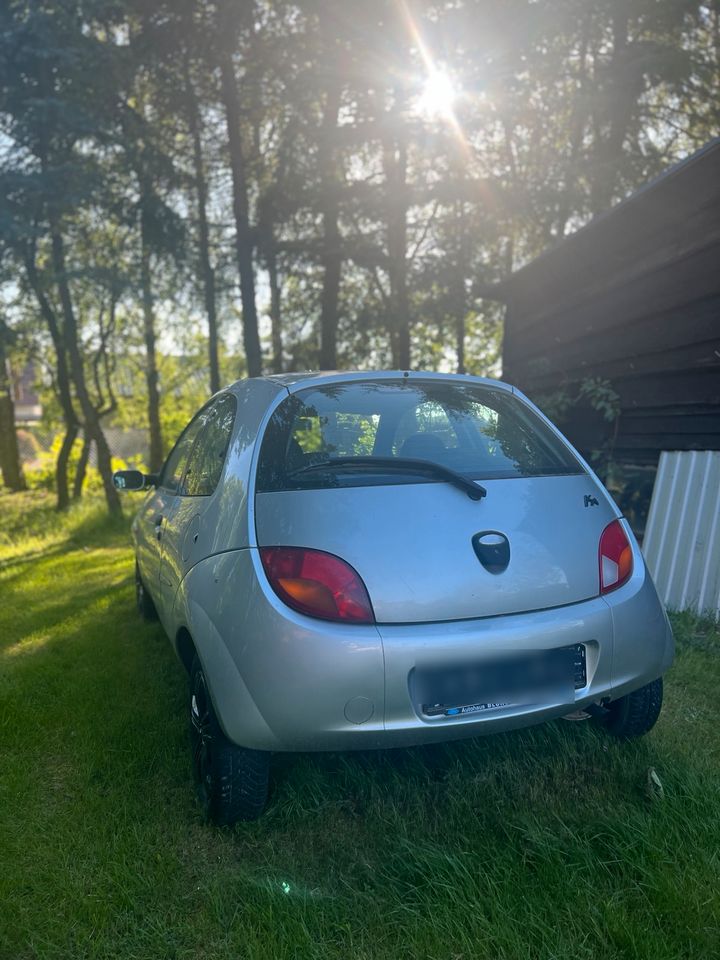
[(364, 560)]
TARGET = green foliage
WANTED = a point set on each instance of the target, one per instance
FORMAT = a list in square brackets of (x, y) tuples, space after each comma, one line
[(116, 141), (543, 843), (184, 386), (594, 392), (40, 475), (631, 488), (601, 396)]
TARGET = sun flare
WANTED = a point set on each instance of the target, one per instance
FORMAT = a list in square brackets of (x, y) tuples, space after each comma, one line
[(438, 96)]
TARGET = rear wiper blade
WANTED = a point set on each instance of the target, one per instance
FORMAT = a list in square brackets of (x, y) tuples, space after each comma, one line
[(403, 464)]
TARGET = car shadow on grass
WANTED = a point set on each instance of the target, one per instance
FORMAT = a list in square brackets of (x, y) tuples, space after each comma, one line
[(550, 764)]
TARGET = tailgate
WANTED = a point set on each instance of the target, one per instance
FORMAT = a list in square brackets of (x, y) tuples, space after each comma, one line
[(413, 543)]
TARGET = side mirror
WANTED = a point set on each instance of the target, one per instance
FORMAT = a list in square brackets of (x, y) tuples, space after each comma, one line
[(133, 480)]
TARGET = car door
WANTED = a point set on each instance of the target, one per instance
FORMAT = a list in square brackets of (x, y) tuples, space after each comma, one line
[(153, 515), (182, 542)]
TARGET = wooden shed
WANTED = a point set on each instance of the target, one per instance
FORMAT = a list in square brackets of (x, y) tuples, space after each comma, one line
[(632, 298)]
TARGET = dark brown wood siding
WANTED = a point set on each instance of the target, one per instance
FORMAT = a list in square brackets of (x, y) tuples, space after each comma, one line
[(633, 298)]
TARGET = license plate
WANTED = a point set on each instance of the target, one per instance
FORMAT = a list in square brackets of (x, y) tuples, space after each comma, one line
[(521, 680)]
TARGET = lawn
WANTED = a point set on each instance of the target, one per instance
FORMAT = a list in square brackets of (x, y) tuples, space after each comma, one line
[(547, 843)]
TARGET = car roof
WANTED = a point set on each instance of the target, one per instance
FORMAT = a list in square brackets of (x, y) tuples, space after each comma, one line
[(296, 381)]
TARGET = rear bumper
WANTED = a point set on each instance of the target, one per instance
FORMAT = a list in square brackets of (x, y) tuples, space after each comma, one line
[(628, 643), (282, 681)]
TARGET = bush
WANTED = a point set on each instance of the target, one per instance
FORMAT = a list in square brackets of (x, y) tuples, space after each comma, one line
[(40, 474)]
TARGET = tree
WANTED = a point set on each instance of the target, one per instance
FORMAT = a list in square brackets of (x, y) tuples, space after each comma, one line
[(39, 284), (155, 157), (48, 62), (207, 272), (10, 465), (229, 28)]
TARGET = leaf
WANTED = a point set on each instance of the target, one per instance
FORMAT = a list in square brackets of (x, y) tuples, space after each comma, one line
[(655, 789)]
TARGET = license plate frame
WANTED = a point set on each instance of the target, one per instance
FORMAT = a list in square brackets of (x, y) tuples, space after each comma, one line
[(518, 680)]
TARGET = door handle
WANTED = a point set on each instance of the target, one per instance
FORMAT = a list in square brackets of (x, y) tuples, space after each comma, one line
[(158, 526)]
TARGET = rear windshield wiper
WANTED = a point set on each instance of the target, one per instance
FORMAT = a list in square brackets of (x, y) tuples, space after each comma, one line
[(404, 465)]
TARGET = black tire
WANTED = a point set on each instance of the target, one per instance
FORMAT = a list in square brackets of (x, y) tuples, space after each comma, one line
[(145, 605), (635, 714), (232, 782)]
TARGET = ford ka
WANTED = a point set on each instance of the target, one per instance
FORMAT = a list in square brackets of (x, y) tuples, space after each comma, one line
[(371, 560)]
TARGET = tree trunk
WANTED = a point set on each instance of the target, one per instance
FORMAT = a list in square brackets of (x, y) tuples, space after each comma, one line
[(62, 465), (578, 122), (151, 370), (625, 86), (459, 275), (243, 233), (81, 469), (275, 311), (10, 465), (206, 270), (93, 427), (395, 168), (331, 251), (460, 342), (63, 383)]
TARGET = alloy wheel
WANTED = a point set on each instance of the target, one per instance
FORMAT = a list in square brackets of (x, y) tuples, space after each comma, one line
[(201, 737)]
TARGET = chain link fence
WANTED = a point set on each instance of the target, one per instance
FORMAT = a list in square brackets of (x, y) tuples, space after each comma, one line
[(38, 445)]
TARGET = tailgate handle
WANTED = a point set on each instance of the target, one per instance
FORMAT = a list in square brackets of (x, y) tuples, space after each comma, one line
[(492, 550)]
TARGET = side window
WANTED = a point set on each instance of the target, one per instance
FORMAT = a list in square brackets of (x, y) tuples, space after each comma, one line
[(174, 468), (208, 454), (307, 434)]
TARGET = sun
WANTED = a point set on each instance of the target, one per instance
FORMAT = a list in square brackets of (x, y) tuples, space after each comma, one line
[(438, 97)]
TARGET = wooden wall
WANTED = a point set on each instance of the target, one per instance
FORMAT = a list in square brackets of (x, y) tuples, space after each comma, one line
[(633, 298)]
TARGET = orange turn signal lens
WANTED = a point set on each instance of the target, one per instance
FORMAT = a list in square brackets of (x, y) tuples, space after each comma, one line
[(318, 584), (310, 594)]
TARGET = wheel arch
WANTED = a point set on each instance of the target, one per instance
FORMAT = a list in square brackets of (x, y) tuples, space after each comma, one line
[(185, 648)]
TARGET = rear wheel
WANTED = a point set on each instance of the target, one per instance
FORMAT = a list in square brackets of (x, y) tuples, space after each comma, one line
[(145, 605), (636, 713), (232, 781)]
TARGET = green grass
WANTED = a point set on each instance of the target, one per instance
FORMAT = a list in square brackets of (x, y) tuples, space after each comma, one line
[(545, 843)]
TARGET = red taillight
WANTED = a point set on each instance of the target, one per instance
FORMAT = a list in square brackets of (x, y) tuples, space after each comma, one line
[(615, 557), (317, 584)]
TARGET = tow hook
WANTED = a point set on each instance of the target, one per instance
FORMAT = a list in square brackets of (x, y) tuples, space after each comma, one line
[(591, 710), (597, 709)]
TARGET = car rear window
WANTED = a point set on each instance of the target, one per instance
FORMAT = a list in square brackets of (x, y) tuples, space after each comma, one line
[(480, 432)]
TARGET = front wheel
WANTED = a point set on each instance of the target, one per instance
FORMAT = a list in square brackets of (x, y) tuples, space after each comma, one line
[(637, 712), (232, 781)]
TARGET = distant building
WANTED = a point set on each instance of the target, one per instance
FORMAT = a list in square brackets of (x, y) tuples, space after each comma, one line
[(632, 298), (28, 409)]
